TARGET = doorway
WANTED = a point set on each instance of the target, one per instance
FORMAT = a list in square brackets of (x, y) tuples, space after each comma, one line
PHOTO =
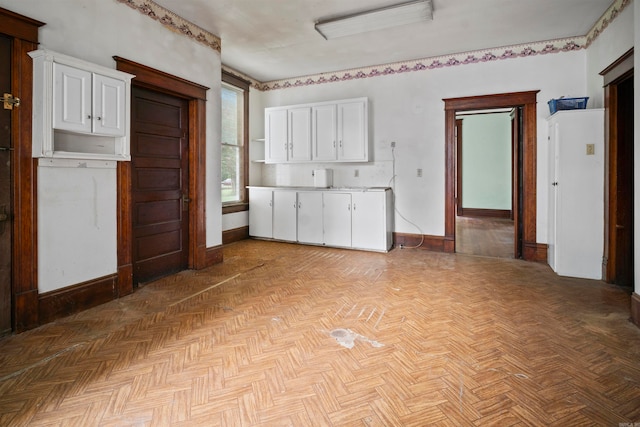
[(524, 166), (487, 182), (619, 103), (159, 184)]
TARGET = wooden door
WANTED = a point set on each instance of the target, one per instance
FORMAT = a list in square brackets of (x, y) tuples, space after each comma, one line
[(516, 179), (159, 184), (5, 190), (622, 196)]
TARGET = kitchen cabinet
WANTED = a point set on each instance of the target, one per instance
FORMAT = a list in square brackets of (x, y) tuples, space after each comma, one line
[(332, 131), (261, 212), (336, 216), (310, 225), (284, 215), (80, 110), (371, 220), (576, 193)]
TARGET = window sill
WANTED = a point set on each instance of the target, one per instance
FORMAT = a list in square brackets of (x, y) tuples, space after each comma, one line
[(234, 207)]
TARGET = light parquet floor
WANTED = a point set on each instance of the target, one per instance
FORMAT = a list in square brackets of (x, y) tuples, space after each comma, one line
[(484, 236), (436, 339)]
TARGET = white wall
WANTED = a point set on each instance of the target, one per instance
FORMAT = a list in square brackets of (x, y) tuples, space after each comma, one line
[(408, 108), (95, 31), (486, 161)]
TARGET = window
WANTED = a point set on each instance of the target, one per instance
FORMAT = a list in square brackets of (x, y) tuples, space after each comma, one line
[(235, 149)]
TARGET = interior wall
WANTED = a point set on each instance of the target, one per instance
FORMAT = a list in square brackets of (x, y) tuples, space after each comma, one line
[(407, 108), (486, 161), (95, 31)]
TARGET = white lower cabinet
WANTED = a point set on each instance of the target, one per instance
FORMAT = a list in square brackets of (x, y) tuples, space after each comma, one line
[(336, 215), (369, 215), (261, 212), (284, 215), (310, 225), (347, 219)]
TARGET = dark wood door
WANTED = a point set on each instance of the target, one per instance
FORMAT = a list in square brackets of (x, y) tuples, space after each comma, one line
[(516, 179), (159, 184), (623, 197), (5, 190)]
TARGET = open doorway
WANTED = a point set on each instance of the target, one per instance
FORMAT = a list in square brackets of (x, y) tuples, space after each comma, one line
[(486, 147), (523, 163), (619, 211)]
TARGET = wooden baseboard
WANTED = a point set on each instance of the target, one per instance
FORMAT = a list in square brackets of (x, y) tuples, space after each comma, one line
[(536, 252), (417, 241), (73, 299), (485, 213), (635, 309), (214, 255), (235, 235)]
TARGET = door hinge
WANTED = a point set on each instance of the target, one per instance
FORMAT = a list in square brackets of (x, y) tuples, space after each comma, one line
[(10, 101)]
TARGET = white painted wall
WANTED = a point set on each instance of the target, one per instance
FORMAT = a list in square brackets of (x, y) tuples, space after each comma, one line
[(408, 108), (486, 161), (95, 31)]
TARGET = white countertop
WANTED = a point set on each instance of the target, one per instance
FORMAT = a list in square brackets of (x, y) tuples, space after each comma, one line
[(345, 188)]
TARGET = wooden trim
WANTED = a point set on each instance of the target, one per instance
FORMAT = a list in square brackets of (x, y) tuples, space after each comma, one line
[(611, 181), (73, 299), (214, 255), (24, 32), (240, 207), (635, 309), (458, 200), (196, 95), (619, 68), (487, 213), (235, 235), (528, 101), (417, 241), (536, 252)]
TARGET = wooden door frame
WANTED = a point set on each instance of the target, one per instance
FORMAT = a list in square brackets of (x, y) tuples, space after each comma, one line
[(531, 250), (196, 95), (24, 32)]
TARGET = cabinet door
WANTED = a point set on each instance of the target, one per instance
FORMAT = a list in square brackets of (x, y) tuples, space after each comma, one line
[(284, 215), (310, 217), (324, 132), (300, 134), (108, 106), (71, 99), (260, 213), (275, 136), (369, 224), (353, 142), (336, 216)]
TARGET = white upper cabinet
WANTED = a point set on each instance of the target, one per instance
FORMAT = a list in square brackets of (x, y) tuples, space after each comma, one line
[(81, 110), (300, 134), (334, 131)]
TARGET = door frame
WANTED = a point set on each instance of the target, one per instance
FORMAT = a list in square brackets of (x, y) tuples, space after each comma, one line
[(530, 250), (196, 95), (614, 74), (24, 32)]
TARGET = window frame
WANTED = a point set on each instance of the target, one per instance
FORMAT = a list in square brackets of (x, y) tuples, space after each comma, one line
[(243, 205)]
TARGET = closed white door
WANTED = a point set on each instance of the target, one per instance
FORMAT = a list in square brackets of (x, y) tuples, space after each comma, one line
[(336, 215), (284, 215), (300, 134), (310, 228), (276, 139), (71, 99), (260, 213), (352, 141), (108, 106), (324, 132), (368, 221)]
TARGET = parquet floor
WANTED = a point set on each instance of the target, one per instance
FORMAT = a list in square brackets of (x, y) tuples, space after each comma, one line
[(287, 335), (484, 236)]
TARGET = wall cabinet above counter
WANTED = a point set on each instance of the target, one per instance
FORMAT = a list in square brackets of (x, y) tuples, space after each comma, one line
[(333, 131), (80, 109)]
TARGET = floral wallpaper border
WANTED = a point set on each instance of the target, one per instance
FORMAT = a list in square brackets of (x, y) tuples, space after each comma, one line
[(178, 24), (175, 22)]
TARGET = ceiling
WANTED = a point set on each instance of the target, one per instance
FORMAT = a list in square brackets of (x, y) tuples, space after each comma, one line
[(275, 39)]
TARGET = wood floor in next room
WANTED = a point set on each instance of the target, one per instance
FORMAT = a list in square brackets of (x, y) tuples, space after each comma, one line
[(288, 335)]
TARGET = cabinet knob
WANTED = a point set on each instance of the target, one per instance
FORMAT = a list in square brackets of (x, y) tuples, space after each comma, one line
[(98, 118), (88, 116)]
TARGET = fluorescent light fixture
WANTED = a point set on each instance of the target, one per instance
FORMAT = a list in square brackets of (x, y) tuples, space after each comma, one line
[(377, 19)]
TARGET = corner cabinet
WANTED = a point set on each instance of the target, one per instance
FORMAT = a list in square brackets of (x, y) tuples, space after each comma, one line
[(80, 110), (334, 131)]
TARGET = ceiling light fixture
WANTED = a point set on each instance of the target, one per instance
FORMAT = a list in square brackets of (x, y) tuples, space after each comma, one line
[(377, 19)]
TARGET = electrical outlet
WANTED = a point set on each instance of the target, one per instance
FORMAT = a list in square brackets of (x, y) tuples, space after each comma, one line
[(393, 144), (591, 149), (356, 173), (419, 172)]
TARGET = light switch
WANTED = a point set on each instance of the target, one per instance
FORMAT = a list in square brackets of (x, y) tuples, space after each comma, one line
[(591, 149)]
